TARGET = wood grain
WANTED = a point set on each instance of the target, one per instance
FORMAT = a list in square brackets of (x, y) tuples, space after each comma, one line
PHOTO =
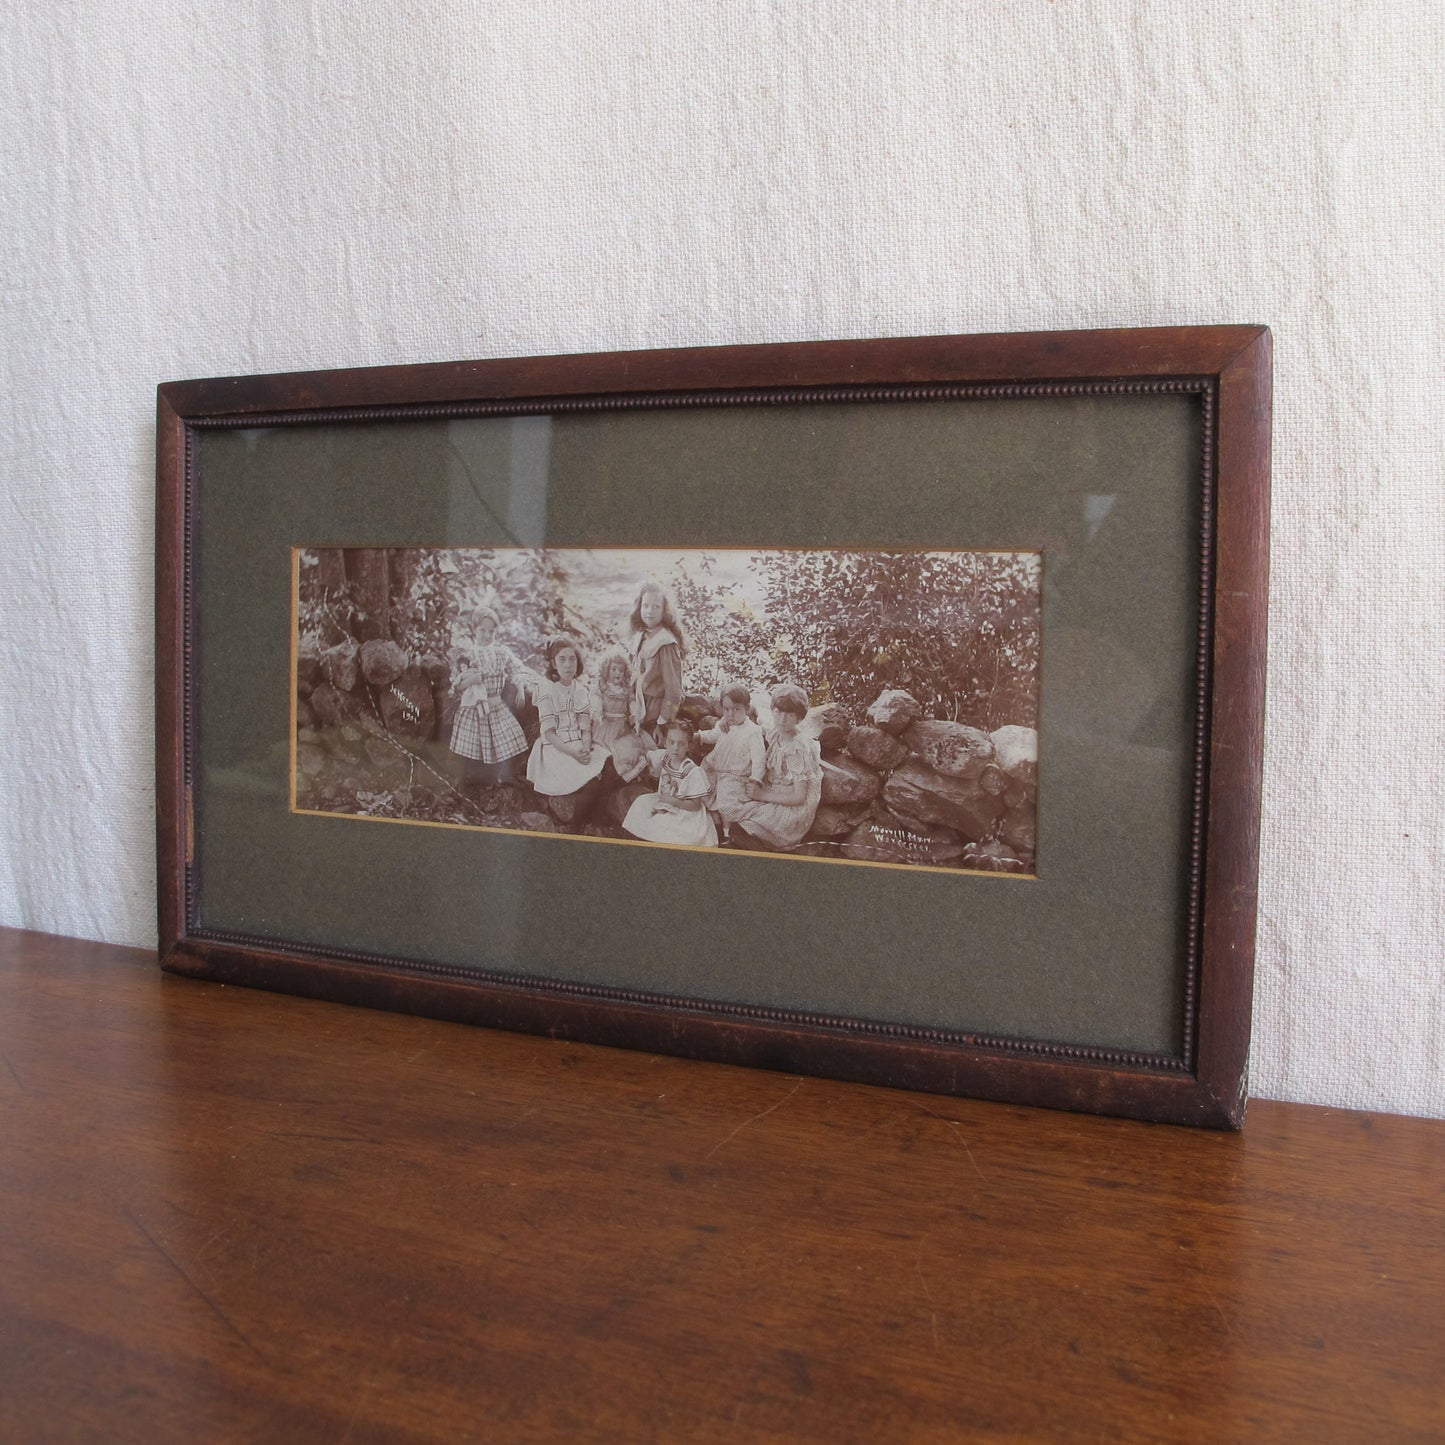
[(230, 1215), (172, 608), (1240, 611), (1015, 356)]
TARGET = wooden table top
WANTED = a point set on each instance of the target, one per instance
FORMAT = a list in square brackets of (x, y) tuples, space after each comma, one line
[(227, 1215)]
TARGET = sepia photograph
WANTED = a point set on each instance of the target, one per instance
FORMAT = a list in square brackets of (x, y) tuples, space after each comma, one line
[(867, 707)]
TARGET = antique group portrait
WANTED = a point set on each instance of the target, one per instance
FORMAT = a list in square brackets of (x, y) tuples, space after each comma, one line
[(872, 707)]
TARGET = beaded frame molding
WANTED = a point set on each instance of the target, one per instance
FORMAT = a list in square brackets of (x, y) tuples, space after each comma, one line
[(1227, 369)]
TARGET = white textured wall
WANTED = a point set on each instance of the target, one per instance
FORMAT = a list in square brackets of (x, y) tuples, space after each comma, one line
[(195, 189)]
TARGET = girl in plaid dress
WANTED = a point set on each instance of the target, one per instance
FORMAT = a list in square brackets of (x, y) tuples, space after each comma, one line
[(485, 732)]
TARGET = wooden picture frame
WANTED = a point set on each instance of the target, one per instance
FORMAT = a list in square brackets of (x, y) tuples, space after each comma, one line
[(1114, 975)]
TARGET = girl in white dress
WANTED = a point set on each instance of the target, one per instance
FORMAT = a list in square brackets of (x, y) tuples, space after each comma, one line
[(738, 756), (781, 808), (676, 812), (564, 758)]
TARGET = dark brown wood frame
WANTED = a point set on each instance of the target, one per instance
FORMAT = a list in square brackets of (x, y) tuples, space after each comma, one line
[(1227, 366)]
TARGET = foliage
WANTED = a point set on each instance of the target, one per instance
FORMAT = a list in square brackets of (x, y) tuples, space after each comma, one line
[(959, 631), (729, 642), (324, 610), (432, 594), (524, 588)]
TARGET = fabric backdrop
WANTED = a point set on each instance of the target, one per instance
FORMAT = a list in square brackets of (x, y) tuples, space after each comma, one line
[(194, 190)]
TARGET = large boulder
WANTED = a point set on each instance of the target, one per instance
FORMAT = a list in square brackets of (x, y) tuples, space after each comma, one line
[(885, 838), (995, 782), (444, 708), (382, 661), (1016, 750), (564, 808), (332, 706), (833, 820), (893, 710), (953, 749), (875, 748), (535, 823), (444, 701), (623, 799), (310, 759), (827, 726), (308, 671), (341, 666), (881, 814), (919, 792), (846, 780), (380, 753), (305, 714), (344, 743), (408, 706), (1020, 832)]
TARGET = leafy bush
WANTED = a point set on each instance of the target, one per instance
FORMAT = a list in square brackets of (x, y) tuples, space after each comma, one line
[(960, 631), (429, 596)]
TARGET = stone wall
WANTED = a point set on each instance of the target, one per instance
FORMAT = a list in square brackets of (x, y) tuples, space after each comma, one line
[(903, 788), (352, 700)]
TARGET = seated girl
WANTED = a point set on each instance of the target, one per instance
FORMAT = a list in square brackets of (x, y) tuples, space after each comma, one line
[(565, 759), (675, 813), (780, 810), (738, 756)]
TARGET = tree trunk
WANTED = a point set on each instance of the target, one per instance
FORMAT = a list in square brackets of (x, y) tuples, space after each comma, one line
[(331, 577), (368, 572)]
